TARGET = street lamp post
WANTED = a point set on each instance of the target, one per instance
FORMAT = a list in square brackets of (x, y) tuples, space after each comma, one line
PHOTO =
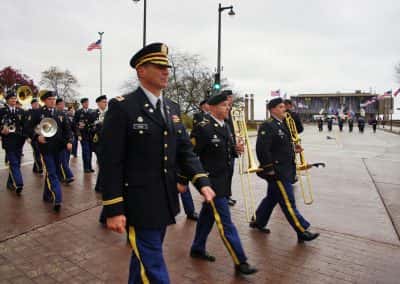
[(231, 13), (144, 19)]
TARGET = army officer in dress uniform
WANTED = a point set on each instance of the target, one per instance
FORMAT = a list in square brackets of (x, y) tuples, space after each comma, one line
[(141, 150), (276, 155), (213, 142), (11, 129), (50, 147)]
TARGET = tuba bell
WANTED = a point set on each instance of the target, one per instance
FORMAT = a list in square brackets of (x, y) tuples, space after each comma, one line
[(24, 95), (47, 127)]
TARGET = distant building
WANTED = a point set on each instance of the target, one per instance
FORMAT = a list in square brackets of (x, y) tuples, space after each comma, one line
[(308, 105)]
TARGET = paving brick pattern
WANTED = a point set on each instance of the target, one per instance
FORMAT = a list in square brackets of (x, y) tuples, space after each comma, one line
[(38, 246)]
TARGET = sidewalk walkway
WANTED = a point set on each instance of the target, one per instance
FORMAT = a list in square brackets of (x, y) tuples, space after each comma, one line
[(356, 200)]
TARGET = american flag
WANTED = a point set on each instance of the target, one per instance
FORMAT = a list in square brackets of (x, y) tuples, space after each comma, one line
[(276, 93), (94, 45), (397, 92)]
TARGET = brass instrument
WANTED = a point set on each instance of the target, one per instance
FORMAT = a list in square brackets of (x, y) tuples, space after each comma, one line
[(247, 164), (47, 127), (24, 95), (301, 164), (39, 96)]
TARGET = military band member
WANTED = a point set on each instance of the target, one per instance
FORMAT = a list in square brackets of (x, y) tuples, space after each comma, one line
[(374, 123), (11, 129), (141, 149), (82, 125), (320, 124), (37, 161), (350, 122), (329, 122), (98, 117), (289, 108), (198, 116), (276, 155), (64, 171), (340, 123), (229, 121), (214, 144), (50, 147), (70, 115), (361, 124)]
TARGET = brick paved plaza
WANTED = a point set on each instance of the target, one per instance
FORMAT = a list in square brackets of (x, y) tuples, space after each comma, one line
[(356, 210)]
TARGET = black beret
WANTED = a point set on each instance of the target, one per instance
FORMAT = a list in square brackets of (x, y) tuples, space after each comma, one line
[(34, 100), (59, 100), (274, 102), (227, 92), (214, 100), (10, 94), (47, 94), (203, 102), (100, 98), (156, 53), (84, 100)]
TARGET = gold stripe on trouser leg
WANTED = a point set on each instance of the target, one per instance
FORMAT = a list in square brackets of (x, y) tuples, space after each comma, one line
[(222, 234), (63, 172), (47, 179), (132, 240), (289, 206), (11, 175)]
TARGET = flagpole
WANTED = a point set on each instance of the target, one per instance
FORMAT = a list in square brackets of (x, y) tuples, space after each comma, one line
[(391, 111), (101, 63)]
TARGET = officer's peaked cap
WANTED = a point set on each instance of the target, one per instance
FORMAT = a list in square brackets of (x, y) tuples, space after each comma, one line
[(156, 53)]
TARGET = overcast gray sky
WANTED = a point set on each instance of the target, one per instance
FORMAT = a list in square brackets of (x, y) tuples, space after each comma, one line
[(296, 46)]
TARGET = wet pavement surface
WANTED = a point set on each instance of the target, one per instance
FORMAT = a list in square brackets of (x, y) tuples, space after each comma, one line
[(356, 210)]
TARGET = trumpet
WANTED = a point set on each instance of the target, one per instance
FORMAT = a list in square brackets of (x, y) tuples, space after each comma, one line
[(302, 166), (247, 164), (47, 127)]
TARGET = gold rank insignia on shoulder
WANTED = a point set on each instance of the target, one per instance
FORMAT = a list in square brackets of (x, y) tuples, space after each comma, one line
[(270, 119), (204, 122), (175, 118), (119, 98)]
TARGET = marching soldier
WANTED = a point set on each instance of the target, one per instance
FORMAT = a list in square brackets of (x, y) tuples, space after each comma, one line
[(214, 144), (229, 121), (350, 122), (82, 125), (198, 116), (340, 123), (98, 118), (277, 158), (289, 108), (361, 124), (374, 123), (37, 161), (320, 124), (329, 121), (50, 147), (64, 171), (11, 129), (141, 150)]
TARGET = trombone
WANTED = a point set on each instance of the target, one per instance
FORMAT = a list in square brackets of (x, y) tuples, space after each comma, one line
[(301, 164), (247, 164)]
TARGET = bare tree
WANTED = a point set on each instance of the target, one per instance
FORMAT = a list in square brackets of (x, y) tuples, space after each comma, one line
[(62, 82)]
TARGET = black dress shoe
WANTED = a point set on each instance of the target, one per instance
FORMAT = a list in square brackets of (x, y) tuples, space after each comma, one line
[(194, 216), (87, 171), (10, 187), (307, 236), (202, 255), (253, 224), (231, 201), (91, 170), (57, 208), (245, 268), (18, 190), (68, 181)]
